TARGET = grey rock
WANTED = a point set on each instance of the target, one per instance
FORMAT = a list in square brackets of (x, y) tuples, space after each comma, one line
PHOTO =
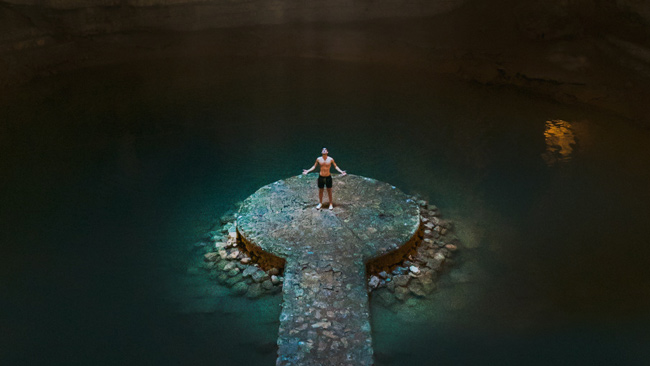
[(259, 275), (249, 271), (228, 266), (373, 282), (233, 272), (275, 280)]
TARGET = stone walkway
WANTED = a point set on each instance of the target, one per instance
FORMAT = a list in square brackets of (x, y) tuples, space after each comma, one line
[(325, 315)]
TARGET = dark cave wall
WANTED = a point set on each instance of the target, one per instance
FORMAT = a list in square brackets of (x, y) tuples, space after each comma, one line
[(88, 17), (595, 52)]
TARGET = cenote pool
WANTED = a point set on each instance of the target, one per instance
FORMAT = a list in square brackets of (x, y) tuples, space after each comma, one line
[(110, 175)]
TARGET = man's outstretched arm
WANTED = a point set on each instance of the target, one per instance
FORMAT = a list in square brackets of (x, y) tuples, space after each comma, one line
[(337, 168), (305, 171)]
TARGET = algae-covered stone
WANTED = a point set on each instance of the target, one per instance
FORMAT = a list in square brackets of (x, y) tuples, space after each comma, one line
[(267, 285), (386, 298), (240, 288), (233, 280), (228, 266), (417, 288), (390, 285), (259, 275), (402, 293), (219, 266), (254, 291), (211, 257), (249, 271), (222, 278)]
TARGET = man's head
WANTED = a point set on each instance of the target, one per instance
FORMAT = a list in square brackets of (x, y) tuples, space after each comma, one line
[(324, 151)]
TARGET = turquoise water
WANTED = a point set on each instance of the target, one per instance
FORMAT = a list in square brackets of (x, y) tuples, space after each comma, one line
[(111, 175)]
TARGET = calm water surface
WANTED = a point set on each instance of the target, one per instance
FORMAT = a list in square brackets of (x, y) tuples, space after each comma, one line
[(109, 176)]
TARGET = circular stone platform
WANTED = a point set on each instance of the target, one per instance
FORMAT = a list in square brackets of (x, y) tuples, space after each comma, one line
[(325, 315), (370, 218)]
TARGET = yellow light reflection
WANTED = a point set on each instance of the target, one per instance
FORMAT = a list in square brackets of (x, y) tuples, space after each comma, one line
[(560, 142)]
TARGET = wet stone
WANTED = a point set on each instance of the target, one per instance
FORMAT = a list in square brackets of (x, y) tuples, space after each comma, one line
[(267, 285), (240, 288), (233, 280), (325, 252), (401, 280), (254, 291)]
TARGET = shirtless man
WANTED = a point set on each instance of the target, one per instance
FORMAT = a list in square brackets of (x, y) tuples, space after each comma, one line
[(325, 178)]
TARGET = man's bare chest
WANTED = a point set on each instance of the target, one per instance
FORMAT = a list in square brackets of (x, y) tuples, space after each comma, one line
[(325, 163)]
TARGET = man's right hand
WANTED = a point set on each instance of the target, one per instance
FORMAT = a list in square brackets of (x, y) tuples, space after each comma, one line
[(305, 171)]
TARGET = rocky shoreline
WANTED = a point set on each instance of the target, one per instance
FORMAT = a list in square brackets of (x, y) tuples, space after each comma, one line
[(399, 277)]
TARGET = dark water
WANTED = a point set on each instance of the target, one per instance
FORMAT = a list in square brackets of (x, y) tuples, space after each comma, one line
[(110, 175)]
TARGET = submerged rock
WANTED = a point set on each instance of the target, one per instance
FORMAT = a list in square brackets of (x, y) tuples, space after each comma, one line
[(267, 285), (259, 275), (401, 280), (254, 291), (211, 257), (417, 288), (233, 280), (249, 271), (240, 288), (451, 247), (222, 278), (402, 293)]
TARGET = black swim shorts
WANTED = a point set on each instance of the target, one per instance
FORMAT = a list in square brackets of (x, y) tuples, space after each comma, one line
[(324, 181)]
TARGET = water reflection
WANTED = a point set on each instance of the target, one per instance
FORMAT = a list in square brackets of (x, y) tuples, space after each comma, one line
[(560, 142)]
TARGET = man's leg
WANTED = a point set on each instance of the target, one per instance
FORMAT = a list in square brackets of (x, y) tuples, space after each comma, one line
[(329, 194), (320, 197)]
